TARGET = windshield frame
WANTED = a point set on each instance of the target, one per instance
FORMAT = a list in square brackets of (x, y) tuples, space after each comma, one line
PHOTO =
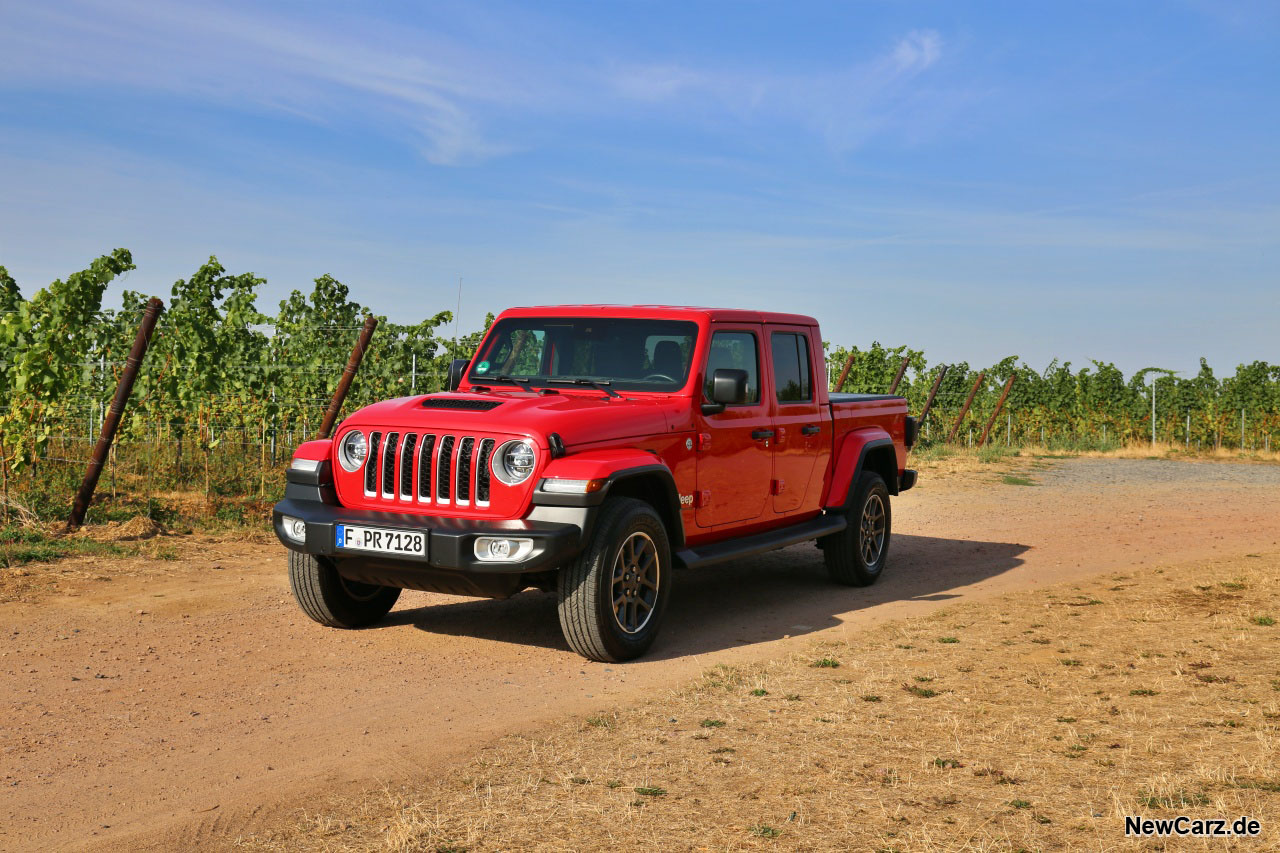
[(678, 328)]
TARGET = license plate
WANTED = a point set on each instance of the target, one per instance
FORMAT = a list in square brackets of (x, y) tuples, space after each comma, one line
[(351, 537)]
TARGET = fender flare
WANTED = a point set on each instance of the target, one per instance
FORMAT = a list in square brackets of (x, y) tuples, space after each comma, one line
[(318, 449), (851, 461), (616, 469)]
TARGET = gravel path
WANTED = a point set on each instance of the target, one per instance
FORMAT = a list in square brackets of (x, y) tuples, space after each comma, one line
[(1091, 473)]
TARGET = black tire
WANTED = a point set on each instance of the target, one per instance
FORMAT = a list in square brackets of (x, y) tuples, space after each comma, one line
[(593, 625), (856, 556), (332, 600)]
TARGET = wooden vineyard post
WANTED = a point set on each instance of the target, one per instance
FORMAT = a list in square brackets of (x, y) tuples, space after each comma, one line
[(996, 413), (112, 421), (4, 473), (977, 383), (844, 373), (348, 374), (897, 379), (933, 392)]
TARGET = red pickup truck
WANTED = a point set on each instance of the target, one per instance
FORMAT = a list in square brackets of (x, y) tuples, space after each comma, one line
[(592, 450)]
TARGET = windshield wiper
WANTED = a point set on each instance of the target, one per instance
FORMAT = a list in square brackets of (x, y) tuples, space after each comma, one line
[(523, 383), (503, 377), (598, 384)]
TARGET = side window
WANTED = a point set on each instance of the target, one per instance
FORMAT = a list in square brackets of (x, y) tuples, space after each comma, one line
[(791, 367), (737, 350)]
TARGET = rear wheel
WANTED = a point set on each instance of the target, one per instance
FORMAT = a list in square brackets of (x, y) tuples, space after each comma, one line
[(613, 596), (334, 601), (856, 555)]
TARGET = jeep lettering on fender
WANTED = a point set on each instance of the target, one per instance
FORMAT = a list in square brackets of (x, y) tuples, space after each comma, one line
[(593, 450)]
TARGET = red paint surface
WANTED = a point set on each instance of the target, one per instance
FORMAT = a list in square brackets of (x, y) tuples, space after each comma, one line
[(712, 457)]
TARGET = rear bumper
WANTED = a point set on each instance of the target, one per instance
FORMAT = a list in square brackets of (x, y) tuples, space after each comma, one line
[(907, 480), (450, 541)]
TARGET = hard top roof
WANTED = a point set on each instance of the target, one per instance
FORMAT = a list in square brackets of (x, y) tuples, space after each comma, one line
[(663, 312)]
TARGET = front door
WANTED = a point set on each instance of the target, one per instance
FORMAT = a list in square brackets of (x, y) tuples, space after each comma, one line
[(801, 430), (735, 462)]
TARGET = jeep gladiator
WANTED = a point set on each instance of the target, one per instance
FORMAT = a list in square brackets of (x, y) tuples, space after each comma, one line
[(592, 450)]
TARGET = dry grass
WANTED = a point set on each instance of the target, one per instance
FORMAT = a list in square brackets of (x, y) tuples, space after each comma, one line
[(945, 460), (1160, 450), (39, 560), (1166, 450), (1034, 721)]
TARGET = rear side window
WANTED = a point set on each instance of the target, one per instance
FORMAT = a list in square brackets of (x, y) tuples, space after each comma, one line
[(735, 350), (791, 367)]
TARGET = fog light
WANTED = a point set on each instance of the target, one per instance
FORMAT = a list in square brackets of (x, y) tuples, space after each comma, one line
[(294, 528), (495, 549)]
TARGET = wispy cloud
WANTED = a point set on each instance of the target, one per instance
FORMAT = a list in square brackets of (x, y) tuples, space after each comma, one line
[(660, 82), (917, 51), (355, 71), (443, 96), (846, 105)]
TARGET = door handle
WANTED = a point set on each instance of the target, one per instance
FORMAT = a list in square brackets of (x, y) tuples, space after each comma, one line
[(762, 434), (811, 429)]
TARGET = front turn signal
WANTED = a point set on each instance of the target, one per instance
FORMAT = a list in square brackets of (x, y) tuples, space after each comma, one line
[(561, 486)]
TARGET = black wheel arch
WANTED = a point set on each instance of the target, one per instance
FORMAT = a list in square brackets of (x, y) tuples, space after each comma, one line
[(880, 456), (653, 484)]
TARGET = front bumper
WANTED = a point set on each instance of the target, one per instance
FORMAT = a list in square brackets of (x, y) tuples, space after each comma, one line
[(450, 541)]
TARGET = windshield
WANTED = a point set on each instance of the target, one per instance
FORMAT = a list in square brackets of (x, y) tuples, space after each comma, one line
[(625, 354)]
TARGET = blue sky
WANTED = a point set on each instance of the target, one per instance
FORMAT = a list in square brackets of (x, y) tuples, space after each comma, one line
[(1074, 180)]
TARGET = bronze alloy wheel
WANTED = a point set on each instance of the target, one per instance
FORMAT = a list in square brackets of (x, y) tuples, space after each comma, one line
[(636, 573), (873, 529)]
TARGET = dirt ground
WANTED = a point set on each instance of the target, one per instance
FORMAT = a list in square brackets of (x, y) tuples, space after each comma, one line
[(1037, 720), (187, 703)]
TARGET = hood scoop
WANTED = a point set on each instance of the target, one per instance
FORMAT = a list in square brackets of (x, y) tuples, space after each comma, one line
[(460, 404)]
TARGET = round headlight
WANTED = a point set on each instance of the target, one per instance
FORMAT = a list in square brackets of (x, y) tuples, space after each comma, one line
[(515, 461), (354, 450)]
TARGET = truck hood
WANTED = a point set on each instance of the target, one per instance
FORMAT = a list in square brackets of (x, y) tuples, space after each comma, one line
[(578, 418)]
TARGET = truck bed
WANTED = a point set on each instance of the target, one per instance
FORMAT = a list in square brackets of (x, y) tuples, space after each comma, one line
[(851, 412)]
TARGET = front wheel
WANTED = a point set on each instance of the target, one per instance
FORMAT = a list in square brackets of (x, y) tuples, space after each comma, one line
[(856, 555), (613, 596), (332, 600)]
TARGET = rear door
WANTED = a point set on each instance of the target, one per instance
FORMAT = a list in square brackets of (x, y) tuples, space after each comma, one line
[(802, 425), (735, 462)]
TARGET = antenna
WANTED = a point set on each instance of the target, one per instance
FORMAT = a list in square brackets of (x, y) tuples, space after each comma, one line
[(456, 315)]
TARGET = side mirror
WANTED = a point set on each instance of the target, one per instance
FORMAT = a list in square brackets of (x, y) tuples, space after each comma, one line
[(728, 388), (457, 368)]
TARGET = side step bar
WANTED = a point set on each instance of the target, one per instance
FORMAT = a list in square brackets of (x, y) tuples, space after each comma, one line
[(748, 546)]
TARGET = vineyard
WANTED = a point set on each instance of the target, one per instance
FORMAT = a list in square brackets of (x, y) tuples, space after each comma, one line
[(226, 391), (1091, 408)]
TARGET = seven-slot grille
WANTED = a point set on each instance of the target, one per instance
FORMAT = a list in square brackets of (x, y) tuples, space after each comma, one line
[(427, 468)]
